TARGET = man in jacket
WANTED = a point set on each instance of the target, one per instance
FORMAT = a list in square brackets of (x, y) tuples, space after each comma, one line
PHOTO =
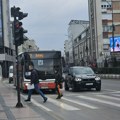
[(35, 81)]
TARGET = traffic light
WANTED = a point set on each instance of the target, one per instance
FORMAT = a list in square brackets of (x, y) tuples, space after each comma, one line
[(15, 11), (19, 31), (22, 15)]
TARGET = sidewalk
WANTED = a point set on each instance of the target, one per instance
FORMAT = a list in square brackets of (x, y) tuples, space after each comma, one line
[(8, 110)]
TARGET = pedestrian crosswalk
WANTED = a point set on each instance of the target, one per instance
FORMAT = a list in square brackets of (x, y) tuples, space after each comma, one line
[(80, 102), (100, 101)]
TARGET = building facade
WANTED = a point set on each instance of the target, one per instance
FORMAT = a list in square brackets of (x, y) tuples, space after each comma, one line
[(74, 29), (28, 45), (82, 48), (104, 25), (7, 52)]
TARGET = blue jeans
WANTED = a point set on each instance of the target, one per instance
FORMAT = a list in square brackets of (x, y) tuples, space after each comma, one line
[(37, 89)]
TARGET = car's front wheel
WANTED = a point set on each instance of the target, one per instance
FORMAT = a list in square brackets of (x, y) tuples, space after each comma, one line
[(74, 89), (66, 86), (98, 88)]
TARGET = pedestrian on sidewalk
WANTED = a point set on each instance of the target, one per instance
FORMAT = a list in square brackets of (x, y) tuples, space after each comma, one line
[(34, 80), (58, 84)]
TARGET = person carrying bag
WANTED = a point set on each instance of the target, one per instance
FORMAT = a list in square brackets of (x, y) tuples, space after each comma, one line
[(34, 80)]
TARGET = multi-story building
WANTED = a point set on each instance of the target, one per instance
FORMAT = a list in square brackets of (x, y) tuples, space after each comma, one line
[(74, 29), (82, 48), (7, 53), (28, 45), (104, 16)]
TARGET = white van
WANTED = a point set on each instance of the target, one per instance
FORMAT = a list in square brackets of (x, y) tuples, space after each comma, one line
[(10, 74)]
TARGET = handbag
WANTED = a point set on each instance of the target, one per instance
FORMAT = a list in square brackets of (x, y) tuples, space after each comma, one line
[(30, 86)]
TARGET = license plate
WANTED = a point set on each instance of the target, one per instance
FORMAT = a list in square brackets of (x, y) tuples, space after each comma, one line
[(89, 83), (44, 85)]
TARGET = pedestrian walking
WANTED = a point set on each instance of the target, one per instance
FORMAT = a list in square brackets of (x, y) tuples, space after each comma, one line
[(58, 84), (34, 80)]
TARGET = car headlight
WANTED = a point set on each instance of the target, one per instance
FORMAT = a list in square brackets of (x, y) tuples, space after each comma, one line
[(97, 78), (78, 79)]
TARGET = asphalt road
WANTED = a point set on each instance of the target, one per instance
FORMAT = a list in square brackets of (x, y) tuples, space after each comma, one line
[(83, 105)]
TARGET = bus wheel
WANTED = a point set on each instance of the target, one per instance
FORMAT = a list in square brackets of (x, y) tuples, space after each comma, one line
[(53, 90)]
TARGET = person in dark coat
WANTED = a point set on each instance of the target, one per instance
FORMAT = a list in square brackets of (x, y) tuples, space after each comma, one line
[(58, 84), (35, 80)]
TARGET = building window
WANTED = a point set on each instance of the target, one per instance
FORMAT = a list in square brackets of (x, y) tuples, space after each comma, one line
[(106, 47), (107, 28)]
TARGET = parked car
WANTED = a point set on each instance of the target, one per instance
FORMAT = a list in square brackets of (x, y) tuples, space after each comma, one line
[(10, 74), (80, 77)]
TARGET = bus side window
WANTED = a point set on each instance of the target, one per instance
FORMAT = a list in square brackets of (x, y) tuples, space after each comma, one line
[(27, 75)]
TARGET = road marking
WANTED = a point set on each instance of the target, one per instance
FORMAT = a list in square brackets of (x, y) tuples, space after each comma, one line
[(79, 103), (112, 91), (37, 104), (62, 105), (108, 97), (100, 101), (116, 95)]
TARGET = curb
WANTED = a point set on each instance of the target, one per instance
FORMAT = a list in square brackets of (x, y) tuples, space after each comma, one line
[(109, 76)]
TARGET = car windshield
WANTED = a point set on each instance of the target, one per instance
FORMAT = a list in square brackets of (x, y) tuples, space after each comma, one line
[(82, 70), (11, 71)]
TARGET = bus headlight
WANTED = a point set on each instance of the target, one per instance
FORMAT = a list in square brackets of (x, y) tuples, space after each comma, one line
[(26, 84), (78, 79)]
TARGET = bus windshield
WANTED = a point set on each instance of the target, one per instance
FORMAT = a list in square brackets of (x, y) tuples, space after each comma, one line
[(45, 63)]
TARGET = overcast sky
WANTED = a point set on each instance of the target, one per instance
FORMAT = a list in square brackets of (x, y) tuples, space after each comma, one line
[(48, 20)]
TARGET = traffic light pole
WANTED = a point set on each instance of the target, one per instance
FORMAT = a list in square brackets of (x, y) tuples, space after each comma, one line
[(18, 40), (19, 104)]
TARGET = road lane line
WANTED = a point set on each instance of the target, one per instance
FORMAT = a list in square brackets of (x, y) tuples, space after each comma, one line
[(100, 101), (79, 103), (37, 104), (108, 97), (63, 105)]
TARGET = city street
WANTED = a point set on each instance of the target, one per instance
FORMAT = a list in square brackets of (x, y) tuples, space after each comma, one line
[(83, 105)]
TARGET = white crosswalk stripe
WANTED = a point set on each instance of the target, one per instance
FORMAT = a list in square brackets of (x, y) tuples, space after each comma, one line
[(38, 104), (81, 104), (109, 97), (100, 101), (116, 95), (62, 105)]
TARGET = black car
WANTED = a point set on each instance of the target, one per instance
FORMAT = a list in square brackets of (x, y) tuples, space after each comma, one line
[(79, 78)]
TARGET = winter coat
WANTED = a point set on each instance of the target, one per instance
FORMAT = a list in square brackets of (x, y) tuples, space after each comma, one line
[(34, 77)]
